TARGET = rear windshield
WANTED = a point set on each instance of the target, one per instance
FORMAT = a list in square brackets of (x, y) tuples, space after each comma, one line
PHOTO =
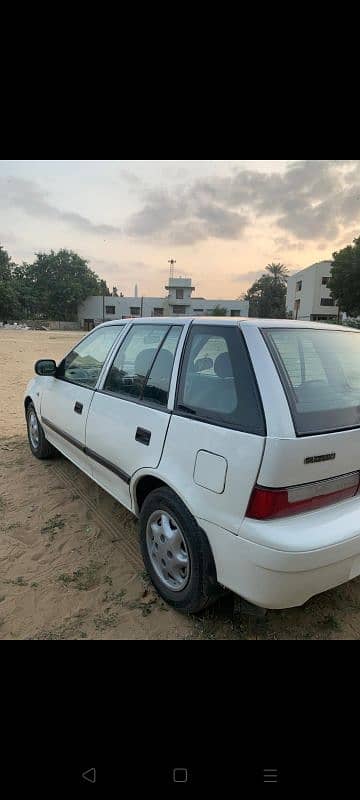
[(320, 371)]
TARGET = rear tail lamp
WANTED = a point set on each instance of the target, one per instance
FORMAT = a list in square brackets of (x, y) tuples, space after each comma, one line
[(275, 503)]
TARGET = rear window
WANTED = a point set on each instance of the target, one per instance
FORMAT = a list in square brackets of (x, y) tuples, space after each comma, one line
[(320, 371)]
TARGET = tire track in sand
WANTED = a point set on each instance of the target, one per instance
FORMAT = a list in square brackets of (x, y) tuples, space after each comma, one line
[(128, 548)]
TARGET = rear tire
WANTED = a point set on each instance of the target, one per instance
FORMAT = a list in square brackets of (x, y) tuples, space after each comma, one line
[(39, 445), (176, 553)]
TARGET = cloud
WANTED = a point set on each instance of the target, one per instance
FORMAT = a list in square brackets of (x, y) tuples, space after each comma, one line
[(310, 200), (28, 197), (249, 277), (131, 178), (284, 243), (182, 218)]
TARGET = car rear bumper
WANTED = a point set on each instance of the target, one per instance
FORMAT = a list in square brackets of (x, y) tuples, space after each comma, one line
[(278, 578)]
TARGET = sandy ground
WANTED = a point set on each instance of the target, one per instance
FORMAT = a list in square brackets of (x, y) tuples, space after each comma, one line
[(70, 566)]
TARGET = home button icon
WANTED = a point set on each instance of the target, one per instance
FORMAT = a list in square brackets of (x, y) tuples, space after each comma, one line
[(180, 775)]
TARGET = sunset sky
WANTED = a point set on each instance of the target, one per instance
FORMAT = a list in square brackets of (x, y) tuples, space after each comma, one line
[(222, 221)]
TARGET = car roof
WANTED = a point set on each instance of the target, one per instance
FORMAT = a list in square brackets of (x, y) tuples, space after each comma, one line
[(238, 321)]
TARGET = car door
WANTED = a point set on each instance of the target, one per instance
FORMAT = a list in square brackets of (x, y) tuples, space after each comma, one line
[(216, 438), (129, 417), (66, 398)]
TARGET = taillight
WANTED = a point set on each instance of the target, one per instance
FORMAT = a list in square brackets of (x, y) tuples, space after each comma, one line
[(274, 503)]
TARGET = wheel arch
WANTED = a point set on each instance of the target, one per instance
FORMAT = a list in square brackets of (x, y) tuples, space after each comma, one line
[(27, 402), (147, 483)]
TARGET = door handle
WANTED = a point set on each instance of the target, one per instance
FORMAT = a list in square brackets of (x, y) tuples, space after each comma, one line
[(78, 408), (143, 436)]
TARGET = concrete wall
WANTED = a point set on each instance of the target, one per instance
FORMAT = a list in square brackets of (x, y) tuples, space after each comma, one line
[(54, 326)]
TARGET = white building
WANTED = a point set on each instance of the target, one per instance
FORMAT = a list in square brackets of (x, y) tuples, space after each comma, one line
[(179, 302), (308, 296)]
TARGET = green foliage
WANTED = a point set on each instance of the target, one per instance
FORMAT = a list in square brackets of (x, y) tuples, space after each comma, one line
[(219, 312), (6, 265), (344, 283), (278, 272), (267, 296), (50, 288), (8, 298)]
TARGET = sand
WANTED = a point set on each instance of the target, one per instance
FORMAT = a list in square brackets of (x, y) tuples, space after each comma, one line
[(70, 566)]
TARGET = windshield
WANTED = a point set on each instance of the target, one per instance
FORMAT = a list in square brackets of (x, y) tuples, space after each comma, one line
[(320, 371)]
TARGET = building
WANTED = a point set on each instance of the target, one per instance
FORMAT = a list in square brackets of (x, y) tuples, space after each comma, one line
[(178, 302), (308, 296)]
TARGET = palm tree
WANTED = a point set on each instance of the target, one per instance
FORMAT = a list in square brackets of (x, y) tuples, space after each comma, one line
[(278, 271)]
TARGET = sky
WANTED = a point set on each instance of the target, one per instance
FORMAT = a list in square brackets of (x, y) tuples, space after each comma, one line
[(222, 221)]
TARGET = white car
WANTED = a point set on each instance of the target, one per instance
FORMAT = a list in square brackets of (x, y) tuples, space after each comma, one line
[(235, 442)]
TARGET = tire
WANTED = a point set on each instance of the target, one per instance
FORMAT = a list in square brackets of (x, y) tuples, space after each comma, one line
[(183, 573), (39, 445)]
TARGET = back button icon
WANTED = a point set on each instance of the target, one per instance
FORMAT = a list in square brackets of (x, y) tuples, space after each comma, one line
[(89, 776)]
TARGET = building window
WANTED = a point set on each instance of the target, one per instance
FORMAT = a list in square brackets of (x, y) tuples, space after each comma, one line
[(299, 286), (110, 309), (235, 313), (179, 294), (135, 312), (198, 310), (180, 311), (327, 301), (297, 308), (158, 312), (325, 281)]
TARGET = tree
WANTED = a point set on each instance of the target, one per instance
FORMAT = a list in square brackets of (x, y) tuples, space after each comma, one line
[(56, 283), (103, 289), (115, 291), (6, 265), (267, 296), (8, 298), (278, 271), (218, 311), (344, 282)]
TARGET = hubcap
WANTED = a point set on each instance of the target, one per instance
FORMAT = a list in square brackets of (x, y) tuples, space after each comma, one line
[(34, 430), (168, 551)]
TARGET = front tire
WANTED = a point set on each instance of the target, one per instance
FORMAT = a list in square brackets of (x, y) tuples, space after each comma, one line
[(176, 553), (39, 445)]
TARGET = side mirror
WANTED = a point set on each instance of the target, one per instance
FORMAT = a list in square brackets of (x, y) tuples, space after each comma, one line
[(46, 368)]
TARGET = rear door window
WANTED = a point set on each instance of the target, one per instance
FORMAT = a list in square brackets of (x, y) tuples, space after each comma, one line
[(217, 383), (320, 372), (135, 359), (143, 366)]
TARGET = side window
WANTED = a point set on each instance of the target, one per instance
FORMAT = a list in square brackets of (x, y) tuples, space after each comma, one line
[(84, 364), (135, 359), (158, 384), (217, 383)]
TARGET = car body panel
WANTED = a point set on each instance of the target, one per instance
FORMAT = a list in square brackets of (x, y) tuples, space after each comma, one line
[(213, 469)]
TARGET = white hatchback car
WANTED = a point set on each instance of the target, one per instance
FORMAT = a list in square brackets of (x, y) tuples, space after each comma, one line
[(236, 443)]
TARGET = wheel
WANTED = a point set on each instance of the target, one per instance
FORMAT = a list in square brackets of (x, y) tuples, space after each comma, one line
[(39, 445), (176, 553)]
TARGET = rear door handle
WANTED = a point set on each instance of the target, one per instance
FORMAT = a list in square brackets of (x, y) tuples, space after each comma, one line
[(143, 436), (78, 408)]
